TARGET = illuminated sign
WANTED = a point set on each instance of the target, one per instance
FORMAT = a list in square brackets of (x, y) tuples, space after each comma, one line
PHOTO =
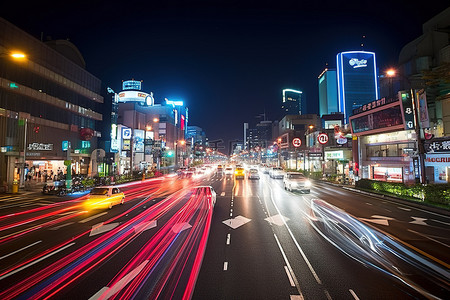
[(174, 103), (126, 146), (357, 63), (131, 85), (407, 109), (322, 138), (126, 133), (115, 145), (334, 154), (182, 122), (136, 96), (341, 140), (296, 142), (40, 147)]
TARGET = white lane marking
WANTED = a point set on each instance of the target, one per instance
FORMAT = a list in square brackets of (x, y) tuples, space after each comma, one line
[(228, 239), (353, 294), (61, 226), (36, 261), (222, 194), (404, 208), (225, 266), (12, 253), (431, 239), (289, 276), (288, 266), (296, 297), (106, 292), (369, 203), (311, 269), (442, 222), (92, 217), (100, 228)]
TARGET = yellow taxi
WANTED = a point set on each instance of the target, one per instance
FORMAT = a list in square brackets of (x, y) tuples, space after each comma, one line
[(239, 173), (104, 197)]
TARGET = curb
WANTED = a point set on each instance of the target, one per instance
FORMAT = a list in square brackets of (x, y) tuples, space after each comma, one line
[(421, 205)]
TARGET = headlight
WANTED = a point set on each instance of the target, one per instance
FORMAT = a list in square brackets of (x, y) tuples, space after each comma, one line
[(307, 183)]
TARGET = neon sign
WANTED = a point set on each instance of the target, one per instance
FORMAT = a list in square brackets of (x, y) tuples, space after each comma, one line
[(356, 63)]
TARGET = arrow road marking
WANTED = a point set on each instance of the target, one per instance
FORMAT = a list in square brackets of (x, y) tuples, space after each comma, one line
[(278, 220), (177, 228), (418, 221), (145, 226), (100, 228), (106, 292), (236, 222)]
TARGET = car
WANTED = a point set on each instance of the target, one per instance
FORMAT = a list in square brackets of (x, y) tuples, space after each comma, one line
[(296, 181), (276, 172), (253, 173), (228, 171), (239, 173), (104, 197), (208, 191)]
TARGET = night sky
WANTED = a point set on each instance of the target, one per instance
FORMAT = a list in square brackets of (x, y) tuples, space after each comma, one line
[(228, 60)]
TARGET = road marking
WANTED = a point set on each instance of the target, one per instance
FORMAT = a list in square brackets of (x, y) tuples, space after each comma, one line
[(92, 217), (228, 239), (353, 294), (36, 261), (426, 236), (236, 222), (12, 253), (177, 228), (289, 268), (225, 266), (100, 228), (222, 194), (278, 219), (61, 226), (404, 208), (145, 226), (296, 297), (106, 292), (442, 222), (418, 221), (311, 269), (291, 281)]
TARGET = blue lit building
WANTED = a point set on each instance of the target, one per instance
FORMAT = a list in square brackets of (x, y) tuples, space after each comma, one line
[(328, 96), (357, 80)]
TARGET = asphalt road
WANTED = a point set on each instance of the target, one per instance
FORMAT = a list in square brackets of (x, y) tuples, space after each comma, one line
[(268, 243), (259, 241)]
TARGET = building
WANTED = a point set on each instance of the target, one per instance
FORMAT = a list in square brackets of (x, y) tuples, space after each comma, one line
[(357, 80), (328, 97), (50, 109), (149, 135), (292, 102), (196, 135)]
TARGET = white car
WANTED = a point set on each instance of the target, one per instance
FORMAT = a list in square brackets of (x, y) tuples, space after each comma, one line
[(229, 171), (296, 181), (276, 172), (208, 192), (253, 174)]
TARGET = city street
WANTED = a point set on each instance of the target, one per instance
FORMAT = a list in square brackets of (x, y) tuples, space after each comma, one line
[(258, 241)]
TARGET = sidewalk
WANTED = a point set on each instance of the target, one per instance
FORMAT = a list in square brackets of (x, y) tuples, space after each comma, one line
[(422, 205)]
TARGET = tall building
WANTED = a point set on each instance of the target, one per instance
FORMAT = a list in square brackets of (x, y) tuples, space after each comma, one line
[(357, 80), (328, 97), (292, 102), (50, 108)]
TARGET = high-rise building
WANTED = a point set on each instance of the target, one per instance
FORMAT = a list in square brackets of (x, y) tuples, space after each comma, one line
[(357, 80), (292, 102), (50, 109), (328, 97)]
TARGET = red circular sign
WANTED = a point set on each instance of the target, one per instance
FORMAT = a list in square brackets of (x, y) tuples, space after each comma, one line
[(297, 142), (322, 138)]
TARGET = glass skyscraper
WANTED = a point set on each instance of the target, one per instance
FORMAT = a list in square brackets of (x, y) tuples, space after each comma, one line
[(357, 80)]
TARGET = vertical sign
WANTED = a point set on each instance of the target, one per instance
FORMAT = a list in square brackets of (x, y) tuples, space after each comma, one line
[(407, 109)]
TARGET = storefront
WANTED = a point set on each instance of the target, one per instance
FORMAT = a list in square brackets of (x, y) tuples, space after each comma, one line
[(437, 166), (337, 161)]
